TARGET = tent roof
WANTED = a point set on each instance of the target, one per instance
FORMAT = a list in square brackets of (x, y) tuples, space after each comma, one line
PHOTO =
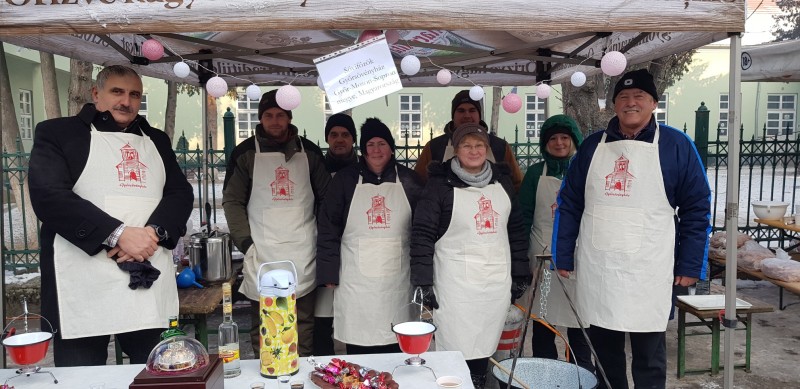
[(487, 44), (778, 61)]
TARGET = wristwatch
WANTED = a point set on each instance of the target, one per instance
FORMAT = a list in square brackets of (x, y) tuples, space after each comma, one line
[(160, 232)]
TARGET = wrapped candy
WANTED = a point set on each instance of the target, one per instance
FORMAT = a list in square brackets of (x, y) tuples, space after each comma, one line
[(340, 374)]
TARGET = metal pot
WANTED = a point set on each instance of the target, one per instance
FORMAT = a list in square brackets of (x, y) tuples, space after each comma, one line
[(210, 256)]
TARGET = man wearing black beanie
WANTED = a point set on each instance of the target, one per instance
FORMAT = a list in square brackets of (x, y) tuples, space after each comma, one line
[(633, 213), (465, 110), (340, 133)]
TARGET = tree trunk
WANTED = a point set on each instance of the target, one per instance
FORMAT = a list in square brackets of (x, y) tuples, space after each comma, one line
[(211, 120), (172, 104), (497, 97), (52, 104), (17, 180), (80, 85)]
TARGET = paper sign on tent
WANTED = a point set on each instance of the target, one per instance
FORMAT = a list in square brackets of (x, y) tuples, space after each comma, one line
[(358, 74)]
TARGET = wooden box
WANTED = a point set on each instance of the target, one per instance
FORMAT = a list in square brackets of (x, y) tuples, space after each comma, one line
[(209, 377)]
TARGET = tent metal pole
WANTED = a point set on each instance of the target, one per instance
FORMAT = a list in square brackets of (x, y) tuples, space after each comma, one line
[(732, 202), (205, 144)]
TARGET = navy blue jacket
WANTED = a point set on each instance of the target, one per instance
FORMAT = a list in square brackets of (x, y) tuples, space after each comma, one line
[(687, 190)]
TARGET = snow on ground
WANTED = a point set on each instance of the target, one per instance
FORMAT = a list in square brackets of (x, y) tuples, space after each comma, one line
[(12, 279)]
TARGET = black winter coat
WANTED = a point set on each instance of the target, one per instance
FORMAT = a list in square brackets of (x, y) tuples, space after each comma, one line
[(435, 210), (332, 217)]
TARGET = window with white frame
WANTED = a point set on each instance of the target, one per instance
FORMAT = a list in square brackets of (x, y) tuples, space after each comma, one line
[(246, 116), (143, 106), (25, 114), (661, 109), (722, 124), (411, 116), (535, 115), (781, 112), (326, 111)]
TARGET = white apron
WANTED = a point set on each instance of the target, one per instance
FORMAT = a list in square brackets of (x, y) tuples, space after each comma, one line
[(558, 311), (124, 176), (374, 282), (472, 272), (625, 254), (281, 217)]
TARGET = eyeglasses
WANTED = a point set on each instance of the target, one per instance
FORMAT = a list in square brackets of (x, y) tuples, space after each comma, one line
[(476, 147)]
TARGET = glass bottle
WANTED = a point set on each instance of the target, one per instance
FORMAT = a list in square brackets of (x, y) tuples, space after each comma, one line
[(173, 329), (228, 335)]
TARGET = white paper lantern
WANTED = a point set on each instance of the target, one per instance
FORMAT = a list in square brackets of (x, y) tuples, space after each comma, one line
[(512, 103), (253, 92), (613, 63), (476, 92), (288, 97), (181, 69), (410, 65), (152, 49), (320, 83), (443, 77), (217, 86), (578, 79), (392, 36), (543, 91)]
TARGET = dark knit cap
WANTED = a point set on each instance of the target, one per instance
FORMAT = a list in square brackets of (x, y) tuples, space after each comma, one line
[(463, 97), (341, 120), (473, 129), (268, 101), (558, 124), (374, 127), (640, 79)]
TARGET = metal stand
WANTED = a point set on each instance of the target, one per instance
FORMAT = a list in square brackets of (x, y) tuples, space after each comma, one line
[(27, 371), (415, 362)]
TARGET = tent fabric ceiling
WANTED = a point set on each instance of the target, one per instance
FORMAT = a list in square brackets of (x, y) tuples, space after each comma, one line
[(257, 41), (779, 61)]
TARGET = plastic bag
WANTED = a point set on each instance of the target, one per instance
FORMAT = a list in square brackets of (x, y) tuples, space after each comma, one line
[(781, 269), (751, 254), (718, 241)]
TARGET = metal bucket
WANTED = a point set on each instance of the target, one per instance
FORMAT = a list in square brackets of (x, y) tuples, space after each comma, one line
[(211, 256), (545, 373)]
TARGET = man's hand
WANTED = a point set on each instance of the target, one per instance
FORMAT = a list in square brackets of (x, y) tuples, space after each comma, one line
[(122, 256), (685, 281), (563, 273), (138, 242), (428, 297)]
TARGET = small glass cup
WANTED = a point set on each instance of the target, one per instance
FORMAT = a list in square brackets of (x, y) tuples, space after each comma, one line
[(283, 381)]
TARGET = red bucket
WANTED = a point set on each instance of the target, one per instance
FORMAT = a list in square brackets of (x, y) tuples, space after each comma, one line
[(28, 348), (512, 330), (414, 337)]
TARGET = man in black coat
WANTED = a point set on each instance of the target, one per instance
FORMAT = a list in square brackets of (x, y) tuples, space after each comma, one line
[(113, 202)]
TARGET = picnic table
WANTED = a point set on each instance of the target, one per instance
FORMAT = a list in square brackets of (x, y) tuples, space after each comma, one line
[(788, 232), (793, 287), (711, 319)]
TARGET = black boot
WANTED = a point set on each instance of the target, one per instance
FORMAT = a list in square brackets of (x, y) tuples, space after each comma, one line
[(478, 380)]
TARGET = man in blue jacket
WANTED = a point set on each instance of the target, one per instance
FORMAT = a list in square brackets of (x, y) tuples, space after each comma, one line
[(636, 204)]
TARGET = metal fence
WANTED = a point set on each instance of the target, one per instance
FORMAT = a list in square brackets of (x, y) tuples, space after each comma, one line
[(768, 171)]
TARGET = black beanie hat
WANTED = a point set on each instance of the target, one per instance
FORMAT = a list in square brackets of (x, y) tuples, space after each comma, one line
[(268, 101), (341, 120), (374, 127), (463, 97), (641, 79)]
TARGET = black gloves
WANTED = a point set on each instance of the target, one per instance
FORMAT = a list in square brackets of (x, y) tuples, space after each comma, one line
[(428, 297), (518, 287)]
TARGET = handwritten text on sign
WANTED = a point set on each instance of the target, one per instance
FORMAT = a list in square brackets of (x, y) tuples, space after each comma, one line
[(358, 74)]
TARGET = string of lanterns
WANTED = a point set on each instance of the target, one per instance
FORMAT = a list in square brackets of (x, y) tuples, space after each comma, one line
[(288, 96)]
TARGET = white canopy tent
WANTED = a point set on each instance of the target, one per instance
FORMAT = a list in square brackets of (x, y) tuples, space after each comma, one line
[(490, 42), (777, 61)]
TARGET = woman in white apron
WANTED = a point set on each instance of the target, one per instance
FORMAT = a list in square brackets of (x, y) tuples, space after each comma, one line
[(466, 247), (559, 140), (363, 240)]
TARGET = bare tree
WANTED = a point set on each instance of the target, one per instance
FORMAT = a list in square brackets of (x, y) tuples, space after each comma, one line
[(18, 183), (583, 103), (52, 103), (172, 105), (80, 85), (787, 24)]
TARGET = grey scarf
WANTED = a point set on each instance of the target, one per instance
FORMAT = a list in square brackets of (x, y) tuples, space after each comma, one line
[(477, 180)]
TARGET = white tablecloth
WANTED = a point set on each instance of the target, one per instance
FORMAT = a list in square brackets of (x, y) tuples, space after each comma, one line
[(120, 376)]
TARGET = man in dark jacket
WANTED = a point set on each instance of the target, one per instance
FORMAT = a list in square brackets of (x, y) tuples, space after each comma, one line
[(465, 110), (113, 202), (340, 134), (277, 181)]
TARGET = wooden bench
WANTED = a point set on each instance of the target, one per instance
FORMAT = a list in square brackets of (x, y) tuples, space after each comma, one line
[(793, 287), (710, 318)]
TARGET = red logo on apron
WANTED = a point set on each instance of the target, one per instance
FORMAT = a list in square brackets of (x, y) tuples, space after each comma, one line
[(379, 216), (619, 182), (282, 187), (486, 218), (131, 172)]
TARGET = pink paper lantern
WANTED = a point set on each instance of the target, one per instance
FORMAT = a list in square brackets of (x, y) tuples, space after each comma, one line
[(392, 36), (217, 86), (367, 35), (152, 49), (613, 63), (543, 91), (443, 77), (512, 103), (288, 97)]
